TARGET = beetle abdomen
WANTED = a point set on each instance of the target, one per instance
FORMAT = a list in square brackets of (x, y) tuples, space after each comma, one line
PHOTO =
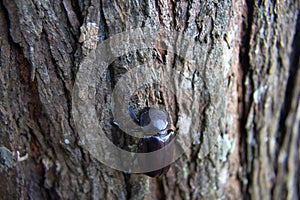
[(154, 143)]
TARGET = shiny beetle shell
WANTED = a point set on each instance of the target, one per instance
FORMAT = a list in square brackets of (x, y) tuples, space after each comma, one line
[(153, 143), (155, 124)]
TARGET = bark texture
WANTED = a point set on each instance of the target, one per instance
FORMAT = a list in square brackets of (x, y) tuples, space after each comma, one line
[(270, 128), (243, 115)]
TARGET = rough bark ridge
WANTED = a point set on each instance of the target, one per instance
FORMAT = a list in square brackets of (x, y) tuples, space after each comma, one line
[(247, 66)]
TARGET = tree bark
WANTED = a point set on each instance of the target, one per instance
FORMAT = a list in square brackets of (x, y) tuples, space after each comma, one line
[(237, 99)]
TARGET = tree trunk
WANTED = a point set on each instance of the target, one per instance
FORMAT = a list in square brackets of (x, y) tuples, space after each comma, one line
[(232, 95)]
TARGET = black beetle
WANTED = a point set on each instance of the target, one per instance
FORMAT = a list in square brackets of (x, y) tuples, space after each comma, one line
[(155, 124)]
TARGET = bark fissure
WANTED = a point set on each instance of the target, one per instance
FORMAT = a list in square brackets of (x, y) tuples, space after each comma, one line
[(285, 139), (246, 90), (291, 83)]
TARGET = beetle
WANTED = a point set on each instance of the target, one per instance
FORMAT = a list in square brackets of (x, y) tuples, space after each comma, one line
[(155, 124)]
